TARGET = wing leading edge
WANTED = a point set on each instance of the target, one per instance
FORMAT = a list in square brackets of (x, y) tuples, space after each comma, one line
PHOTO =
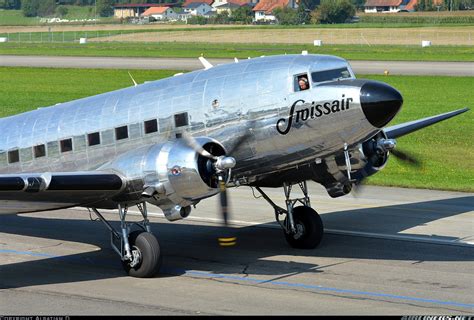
[(409, 127), (45, 191)]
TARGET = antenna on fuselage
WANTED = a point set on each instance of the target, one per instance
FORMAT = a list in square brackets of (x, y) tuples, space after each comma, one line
[(205, 63), (134, 82)]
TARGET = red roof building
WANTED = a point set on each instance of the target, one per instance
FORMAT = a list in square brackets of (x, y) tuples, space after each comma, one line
[(268, 6), (264, 9), (383, 5), (187, 2), (411, 6), (134, 10), (240, 2), (155, 10)]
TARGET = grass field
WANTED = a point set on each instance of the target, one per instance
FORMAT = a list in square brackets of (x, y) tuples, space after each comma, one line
[(16, 17), (446, 148), (454, 35), (214, 50), (355, 36), (420, 18)]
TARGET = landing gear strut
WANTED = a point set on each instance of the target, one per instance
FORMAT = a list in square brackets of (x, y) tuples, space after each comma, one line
[(302, 225), (139, 250)]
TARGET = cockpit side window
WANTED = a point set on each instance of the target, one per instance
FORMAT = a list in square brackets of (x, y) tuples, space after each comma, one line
[(301, 82), (330, 75)]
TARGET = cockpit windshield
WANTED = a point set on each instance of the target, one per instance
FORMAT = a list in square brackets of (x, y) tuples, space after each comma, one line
[(330, 75)]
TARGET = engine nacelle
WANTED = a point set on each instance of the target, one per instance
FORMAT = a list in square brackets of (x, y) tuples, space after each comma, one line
[(375, 153), (172, 175)]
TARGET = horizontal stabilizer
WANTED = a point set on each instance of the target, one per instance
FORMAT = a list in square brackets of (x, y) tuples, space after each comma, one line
[(409, 127), (206, 64)]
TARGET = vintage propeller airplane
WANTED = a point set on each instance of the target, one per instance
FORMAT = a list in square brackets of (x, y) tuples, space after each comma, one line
[(273, 121)]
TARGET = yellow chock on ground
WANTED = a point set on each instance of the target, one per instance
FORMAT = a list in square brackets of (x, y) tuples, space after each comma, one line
[(227, 242)]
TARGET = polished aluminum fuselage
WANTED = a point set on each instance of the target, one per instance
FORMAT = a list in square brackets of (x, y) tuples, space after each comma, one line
[(222, 103)]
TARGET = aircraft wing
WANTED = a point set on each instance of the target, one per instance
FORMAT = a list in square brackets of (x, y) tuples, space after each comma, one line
[(409, 127), (27, 192)]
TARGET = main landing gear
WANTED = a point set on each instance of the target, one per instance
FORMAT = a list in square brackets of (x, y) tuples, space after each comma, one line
[(139, 250), (302, 225)]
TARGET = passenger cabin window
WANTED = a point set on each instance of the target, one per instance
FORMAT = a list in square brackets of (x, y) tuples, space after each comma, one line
[(121, 133), (181, 119), (66, 145), (151, 126), (301, 82), (330, 75), (13, 156), (39, 151), (93, 139)]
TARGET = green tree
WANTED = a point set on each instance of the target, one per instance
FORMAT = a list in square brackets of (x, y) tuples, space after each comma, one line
[(197, 20), (62, 11), (425, 5), (286, 16), (359, 4), (303, 14), (453, 5), (333, 11), (243, 14), (105, 8), (30, 8), (46, 7), (310, 4), (220, 18), (466, 4), (10, 4)]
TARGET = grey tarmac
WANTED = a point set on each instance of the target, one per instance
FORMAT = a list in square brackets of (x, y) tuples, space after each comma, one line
[(363, 67), (387, 251)]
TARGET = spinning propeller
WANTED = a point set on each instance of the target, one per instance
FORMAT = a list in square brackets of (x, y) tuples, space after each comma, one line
[(381, 147), (222, 166), (406, 157)]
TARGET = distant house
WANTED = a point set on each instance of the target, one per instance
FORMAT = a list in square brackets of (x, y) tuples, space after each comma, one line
[(411, 4), (373, 6), (218, 3), (187, 2), (197, 9), (161, 13), (231, 5), (264, 9), (123, 11), (226, 7)]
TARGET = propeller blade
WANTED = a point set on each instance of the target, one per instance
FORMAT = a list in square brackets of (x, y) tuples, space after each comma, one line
[(223, 199), (239, 142), (191, 141), (229, 240), (406, 157), (358, 187), (243, 138)]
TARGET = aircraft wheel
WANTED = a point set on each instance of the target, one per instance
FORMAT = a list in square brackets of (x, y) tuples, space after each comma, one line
[(147, 253), (309, 229)]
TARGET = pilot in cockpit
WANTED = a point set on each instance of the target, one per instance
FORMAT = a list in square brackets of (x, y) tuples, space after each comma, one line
[(303, 83)]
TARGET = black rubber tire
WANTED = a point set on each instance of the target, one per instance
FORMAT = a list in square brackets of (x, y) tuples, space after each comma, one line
[(312, 226), (150, 251)]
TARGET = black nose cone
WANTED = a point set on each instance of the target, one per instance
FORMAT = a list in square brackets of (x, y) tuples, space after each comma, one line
[(380, 102)]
